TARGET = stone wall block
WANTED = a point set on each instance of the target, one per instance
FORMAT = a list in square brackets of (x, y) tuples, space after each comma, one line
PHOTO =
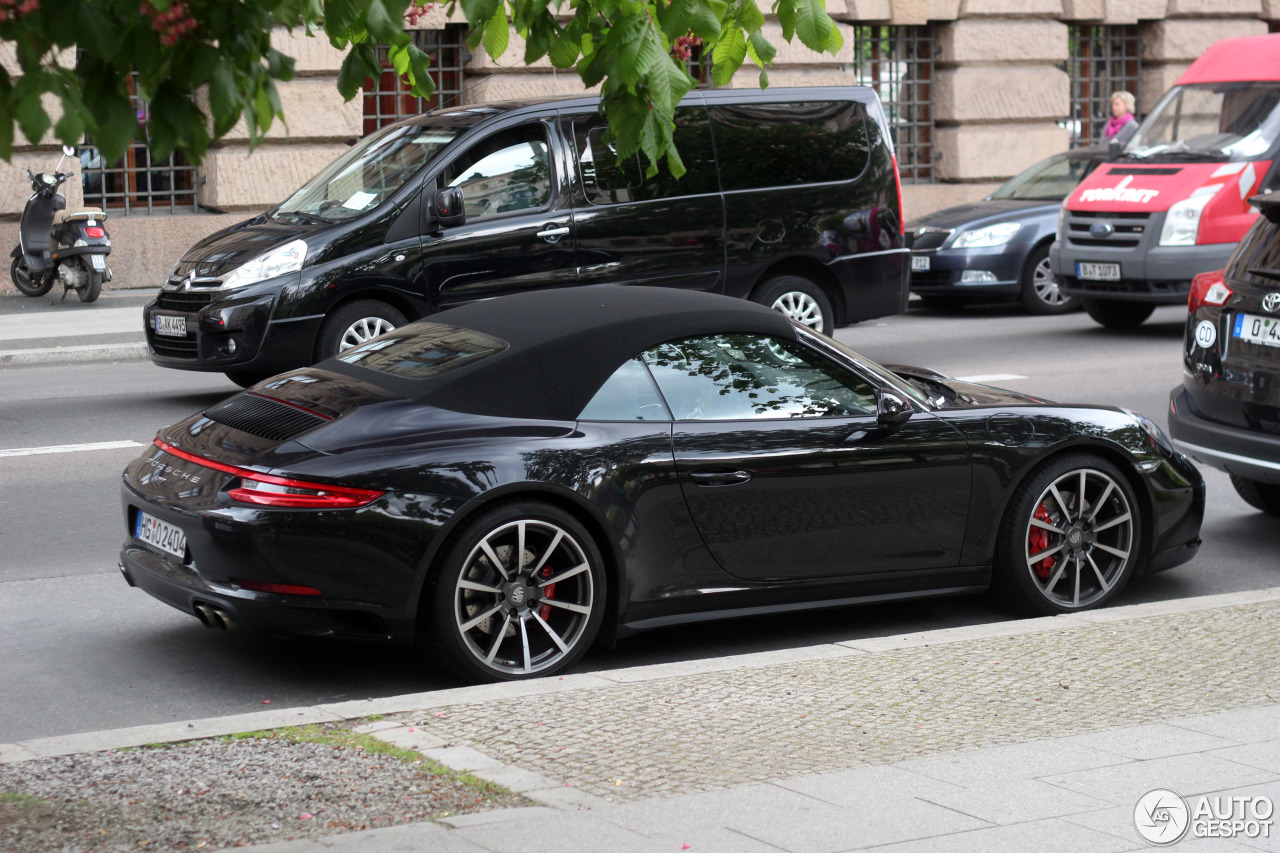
[(1271, 10), (1206, 8), (1156, 80), (512, 60), (237, 179), (986, 41), (994, 152), (944, 10), (921, 199), (909, 12), (1184, 39), (866, 10), (795, 53), (312, 54), (748, 77), (1084, 10), (1029, 8), (522, 85), (15, 189), (1148, 10), (314, 110), (978, 93)]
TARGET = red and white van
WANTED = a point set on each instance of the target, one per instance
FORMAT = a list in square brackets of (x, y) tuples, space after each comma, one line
[(1136, 231)]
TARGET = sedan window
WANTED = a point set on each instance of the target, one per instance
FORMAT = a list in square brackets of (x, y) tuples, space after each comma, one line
[(746, 376)]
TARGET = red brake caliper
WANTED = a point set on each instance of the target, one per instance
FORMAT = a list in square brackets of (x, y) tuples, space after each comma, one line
[(549, 591), (1037, 541)]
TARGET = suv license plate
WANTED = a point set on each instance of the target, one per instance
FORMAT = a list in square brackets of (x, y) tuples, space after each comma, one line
[(169, 324), (920, 263), (1257, 330), (162, 535), (1097, 272)]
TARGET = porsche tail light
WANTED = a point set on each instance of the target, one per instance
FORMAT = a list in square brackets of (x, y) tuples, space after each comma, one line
[(269, 490), (1208, 288), (280, 588)]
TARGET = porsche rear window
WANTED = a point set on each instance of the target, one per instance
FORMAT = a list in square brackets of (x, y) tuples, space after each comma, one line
[(423, 350)]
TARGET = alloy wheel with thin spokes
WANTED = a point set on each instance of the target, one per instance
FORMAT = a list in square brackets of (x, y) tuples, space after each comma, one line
[(354, 323), (801, 307), (1041, 293), (800, 299), (1071, 538), (520, 596), (364, 329)]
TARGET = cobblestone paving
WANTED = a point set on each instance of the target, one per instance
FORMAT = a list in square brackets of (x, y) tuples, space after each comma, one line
[(707, 731)]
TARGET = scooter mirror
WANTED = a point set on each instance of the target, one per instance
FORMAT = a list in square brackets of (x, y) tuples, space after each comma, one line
[(68, 151)]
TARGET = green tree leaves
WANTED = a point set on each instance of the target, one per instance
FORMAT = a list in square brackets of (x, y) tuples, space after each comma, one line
[(624, 46)]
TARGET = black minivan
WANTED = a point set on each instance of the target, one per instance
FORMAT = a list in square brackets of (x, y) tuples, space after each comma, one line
[(791, 199)]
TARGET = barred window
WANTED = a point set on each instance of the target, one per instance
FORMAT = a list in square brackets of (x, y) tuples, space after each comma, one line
[(390, 100), (1101, 60), (898, 63), (137, 182)]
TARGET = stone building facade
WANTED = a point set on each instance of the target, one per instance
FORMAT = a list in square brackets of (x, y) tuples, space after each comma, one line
[(977, 90)]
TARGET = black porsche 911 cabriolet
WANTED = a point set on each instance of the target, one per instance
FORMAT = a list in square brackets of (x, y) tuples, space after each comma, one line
[(510, 480)]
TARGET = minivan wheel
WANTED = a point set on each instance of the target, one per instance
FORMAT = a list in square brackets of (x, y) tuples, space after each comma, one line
[(1040, 291), (1263, 496), (519, 592), (355, 323), (1070, 539), (1118, 315), (799, 299)]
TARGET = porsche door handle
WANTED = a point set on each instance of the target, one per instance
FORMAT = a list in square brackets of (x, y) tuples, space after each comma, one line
[(552, 235), (711, 477)]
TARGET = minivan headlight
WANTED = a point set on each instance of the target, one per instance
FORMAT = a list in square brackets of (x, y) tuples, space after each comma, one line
[(278, 261), (1182, 222), (990, 237)]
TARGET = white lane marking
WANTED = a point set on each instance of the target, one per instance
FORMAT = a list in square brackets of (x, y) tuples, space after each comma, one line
[(70, 448), (991, 377)]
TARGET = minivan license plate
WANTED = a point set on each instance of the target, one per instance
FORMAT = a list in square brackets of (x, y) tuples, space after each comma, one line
[(920, 263), (168, 324), (161, 534), (1097, 272), (1257, 330)]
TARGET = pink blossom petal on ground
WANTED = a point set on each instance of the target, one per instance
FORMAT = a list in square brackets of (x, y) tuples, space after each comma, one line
[(305, 816)]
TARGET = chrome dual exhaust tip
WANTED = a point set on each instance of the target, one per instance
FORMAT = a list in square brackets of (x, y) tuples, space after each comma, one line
[(214, 617)]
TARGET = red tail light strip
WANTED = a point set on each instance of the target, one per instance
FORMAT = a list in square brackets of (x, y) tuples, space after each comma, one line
[(323, 495), (281, 588), (1208, 288), (897, 185)]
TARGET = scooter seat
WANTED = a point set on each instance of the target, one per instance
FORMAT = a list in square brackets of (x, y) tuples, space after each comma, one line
[(87, 213)]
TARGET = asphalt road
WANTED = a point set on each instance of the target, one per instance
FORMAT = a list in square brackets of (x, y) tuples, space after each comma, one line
[(82, 651)]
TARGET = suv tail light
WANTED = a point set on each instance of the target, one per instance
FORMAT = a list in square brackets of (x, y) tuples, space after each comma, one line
[(1208, 288), (269, 490)]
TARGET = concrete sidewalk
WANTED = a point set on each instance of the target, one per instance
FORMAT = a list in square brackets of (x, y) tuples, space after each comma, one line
[(1038, 734), (47, 330)]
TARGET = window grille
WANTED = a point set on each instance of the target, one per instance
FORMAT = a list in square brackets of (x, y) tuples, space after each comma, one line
[(898, 63), (137, 183), (1101, 60), (390, 101)]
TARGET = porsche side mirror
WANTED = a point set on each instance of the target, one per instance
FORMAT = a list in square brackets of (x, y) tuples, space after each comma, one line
[(892, 411), (448, 207)]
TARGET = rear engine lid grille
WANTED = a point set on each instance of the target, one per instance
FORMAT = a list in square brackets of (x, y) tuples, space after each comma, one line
[(266, 417)]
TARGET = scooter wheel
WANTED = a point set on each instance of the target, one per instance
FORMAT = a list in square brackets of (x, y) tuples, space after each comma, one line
[(23, 280), (91, 291)]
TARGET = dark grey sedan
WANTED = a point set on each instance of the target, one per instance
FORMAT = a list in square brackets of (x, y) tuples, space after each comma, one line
[(998, 248)]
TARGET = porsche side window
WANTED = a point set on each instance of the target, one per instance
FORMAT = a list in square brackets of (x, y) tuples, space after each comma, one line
[(745, 376), (628, 395), (509, 171)]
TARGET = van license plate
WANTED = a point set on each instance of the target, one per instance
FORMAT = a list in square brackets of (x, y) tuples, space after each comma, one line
[(168, 324), (98, 262), (1257, 330), (162, 535), (1097, 272), (920, 263)]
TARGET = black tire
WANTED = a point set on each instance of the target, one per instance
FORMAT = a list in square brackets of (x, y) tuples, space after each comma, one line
[(93, 289), (1261, 496), (246, 378), (354, 323), (800, 299), (1041, 293), (529, 596), (944, 304), (1116, 314), (25, 283), (1076, 572)]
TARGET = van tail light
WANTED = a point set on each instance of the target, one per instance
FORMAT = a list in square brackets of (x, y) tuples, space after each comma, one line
[(897, 185), (1208, 288), (269, 490), (95, 232)]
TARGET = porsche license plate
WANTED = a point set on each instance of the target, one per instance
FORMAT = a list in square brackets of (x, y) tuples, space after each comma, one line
[(161, 535), (169, 324), (1097, 272), (1257, 330), (920, 263)]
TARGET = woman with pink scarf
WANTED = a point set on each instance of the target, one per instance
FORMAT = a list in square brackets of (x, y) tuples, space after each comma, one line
[(1122, 124)]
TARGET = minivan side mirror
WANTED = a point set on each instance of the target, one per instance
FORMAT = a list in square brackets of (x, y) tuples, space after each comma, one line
[(448, 207)]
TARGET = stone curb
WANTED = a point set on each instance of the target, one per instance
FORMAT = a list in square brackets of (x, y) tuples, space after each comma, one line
[(86, 354), (218, 726)]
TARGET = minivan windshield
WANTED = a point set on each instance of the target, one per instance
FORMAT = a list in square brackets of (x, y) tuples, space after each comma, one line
[(1216, 121), (368, 174)]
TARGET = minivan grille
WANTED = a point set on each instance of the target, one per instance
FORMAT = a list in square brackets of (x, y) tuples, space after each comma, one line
[(183, 300), (265, 417)]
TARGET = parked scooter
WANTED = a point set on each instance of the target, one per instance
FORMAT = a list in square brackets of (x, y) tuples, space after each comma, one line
[(56, 246)]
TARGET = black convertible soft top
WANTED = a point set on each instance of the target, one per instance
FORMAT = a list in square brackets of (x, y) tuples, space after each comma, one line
[(561, 345)]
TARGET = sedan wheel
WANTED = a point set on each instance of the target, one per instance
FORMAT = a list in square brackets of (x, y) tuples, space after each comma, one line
[(1040, 291), (1070, 539), (521, 594)]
